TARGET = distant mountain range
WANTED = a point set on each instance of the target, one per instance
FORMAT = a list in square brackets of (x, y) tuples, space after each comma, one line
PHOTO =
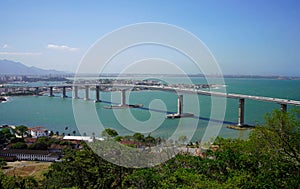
[(8, 67)]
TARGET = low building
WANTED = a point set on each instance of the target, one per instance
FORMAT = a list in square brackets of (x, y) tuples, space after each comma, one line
[(33, 155), (81, 138), (56, 148)]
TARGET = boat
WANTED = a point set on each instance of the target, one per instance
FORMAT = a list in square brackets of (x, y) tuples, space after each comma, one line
[(124, 106)]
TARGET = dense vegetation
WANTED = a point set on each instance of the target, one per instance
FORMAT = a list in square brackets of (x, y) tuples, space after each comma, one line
[(270, 158)]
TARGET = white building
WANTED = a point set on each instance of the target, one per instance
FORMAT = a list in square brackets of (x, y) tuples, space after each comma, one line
[(38, 131), (82, 138), (39, 155)]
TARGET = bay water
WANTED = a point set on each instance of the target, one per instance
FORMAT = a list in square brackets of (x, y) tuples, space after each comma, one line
[(56, 113)]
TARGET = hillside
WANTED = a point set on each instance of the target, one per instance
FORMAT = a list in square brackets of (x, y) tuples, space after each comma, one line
[(8, 67)]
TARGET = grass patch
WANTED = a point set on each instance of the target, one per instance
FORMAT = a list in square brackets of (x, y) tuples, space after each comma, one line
[(24, 169)]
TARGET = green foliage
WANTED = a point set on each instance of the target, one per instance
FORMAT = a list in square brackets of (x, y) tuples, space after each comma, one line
[(2, 163), (42, 143), (118, 138), (21, 130), (84, 169), (268, 159), (109, 133), (138, 137), (5, 135), (13, 182), (150, 140), (18, 145), (277, 149)]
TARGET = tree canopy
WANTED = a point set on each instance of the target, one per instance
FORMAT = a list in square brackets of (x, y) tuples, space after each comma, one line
[(108, 132), (269, 158)]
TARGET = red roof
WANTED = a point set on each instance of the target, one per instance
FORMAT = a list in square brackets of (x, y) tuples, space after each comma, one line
[(38, 129), (30, 140)]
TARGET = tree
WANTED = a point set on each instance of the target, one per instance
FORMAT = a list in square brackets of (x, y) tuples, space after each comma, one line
[(18, 145), (74, 132), (2, 163), (5, 135), (109, 133), (21, 130), (138, 137), (182, 139), (277, 149), (84, 169), (51, 133), (118, 138), (40, 144), (150, 140)]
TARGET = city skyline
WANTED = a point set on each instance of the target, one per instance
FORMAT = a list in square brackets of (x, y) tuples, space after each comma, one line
[(246, 37)]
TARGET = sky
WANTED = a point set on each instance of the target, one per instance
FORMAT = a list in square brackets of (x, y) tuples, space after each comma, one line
[(250, 37)]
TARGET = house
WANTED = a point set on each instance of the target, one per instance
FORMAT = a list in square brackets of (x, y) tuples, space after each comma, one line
[(38, 131)]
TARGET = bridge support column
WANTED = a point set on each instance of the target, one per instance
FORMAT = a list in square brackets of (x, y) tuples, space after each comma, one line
[(179, 113), (180, 104), (64, 93), (123, 97), (51, 91), (283, 107), (75, 92), (241, 112), (86, 92), (36, 92), (97, 94)]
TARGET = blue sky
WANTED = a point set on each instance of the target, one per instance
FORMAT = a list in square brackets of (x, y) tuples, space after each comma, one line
[(246, 37)]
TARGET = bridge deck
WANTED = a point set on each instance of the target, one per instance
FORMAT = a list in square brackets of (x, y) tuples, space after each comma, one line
[(186, 90)]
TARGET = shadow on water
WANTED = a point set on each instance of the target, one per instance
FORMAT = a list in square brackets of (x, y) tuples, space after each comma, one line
[(166, 112)]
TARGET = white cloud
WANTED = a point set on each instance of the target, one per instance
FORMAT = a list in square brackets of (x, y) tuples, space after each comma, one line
[(5, 46), (61, 47), (21, 53)]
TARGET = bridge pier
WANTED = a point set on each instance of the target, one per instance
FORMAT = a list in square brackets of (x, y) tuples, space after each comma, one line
[(86, 92), (75, 92), (123, 97), (241, 112), (283, 107), (36, 92), (179, 104), (97, 94), (64, 93), (179, 113), (51, 91)]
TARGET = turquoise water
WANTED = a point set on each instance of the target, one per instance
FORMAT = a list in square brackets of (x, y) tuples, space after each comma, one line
[(56, 113)]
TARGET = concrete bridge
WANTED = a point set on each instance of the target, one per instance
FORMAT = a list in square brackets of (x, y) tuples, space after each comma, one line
[(123, 87)]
